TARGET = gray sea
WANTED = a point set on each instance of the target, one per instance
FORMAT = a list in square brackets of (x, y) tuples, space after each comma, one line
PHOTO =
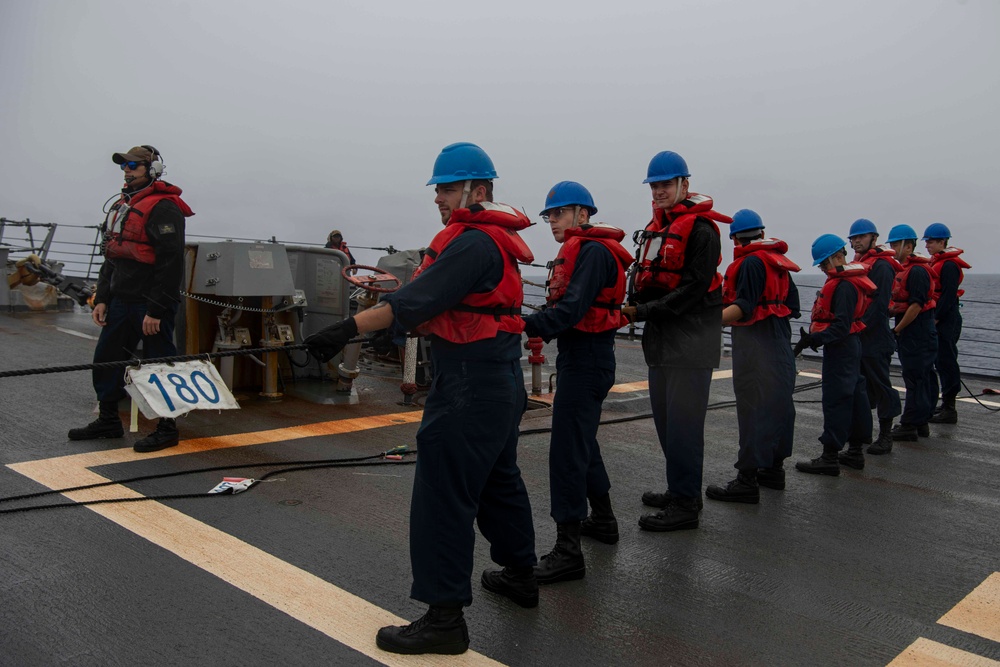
[(979, 348)]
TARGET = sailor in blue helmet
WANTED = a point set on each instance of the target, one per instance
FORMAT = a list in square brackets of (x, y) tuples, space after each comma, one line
[(837, 319), (759, 298), (948, 266), (877, 340), (466, 295), (585, 291), (913, 303), (678, 294)]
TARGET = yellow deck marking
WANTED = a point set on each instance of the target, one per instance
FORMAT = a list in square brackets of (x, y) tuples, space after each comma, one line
[(927, 653), (808, 374), (305, 597), (978, 612), (644, 385)]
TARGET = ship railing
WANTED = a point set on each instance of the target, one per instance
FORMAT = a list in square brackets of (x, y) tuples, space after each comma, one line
[(81, 259)]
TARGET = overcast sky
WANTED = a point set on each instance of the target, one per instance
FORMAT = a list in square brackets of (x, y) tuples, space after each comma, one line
[(292, 118)]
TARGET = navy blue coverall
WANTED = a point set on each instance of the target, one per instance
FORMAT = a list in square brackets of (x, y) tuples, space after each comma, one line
[(681, 342), (918, 349), (466, 469), (763, 374), (949, 330), (878, 343), (847, 416), (585, 368)]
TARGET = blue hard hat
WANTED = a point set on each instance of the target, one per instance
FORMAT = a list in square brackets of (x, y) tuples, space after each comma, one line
[(745, 220), (666, 166), (902, 233), (569, 193), (862, 226), (937, 230), (462, 162), (825, 246)]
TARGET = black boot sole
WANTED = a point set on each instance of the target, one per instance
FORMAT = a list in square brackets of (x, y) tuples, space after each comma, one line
[(606, 538), (451, 648), (830, 472), (852, 464), (878, 451), (724, 497), (526, 601), (570, 575), (658, 528), (905, 438)]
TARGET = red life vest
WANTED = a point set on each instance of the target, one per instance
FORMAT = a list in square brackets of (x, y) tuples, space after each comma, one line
[(776, 268), (822, 312), (664, 242), (130, 214), (482, 315), (901, 295), (949, 254), (876, 253), (604, 313)]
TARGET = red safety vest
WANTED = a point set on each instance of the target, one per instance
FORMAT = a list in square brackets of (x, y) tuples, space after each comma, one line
[(130, 214), (901, 295), (949, 255), (877, 253), (604, 313), (482, 315), (665, 239), (822, 312), (776, 267)]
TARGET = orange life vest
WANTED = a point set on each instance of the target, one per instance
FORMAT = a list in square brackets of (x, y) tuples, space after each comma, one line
[(822, 312), (776, 268), (482, 315), (901, 295), (604, 313), (877, 253), (949, 254), (130, 213), (664, 241)]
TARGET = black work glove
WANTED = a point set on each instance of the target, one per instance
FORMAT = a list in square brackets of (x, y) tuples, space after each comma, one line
[(805, 340), (327, 343)]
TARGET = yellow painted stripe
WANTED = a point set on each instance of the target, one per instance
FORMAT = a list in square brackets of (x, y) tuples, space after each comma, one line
[(808, 374), (978, 612), (305, 597), (644, 385), (196, 445), (927, 653)]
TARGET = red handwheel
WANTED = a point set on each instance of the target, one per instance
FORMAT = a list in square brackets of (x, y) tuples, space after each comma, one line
[(370, 283)]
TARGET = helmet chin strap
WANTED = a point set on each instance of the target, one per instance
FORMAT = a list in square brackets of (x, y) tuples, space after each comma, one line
[(679, 195), (576, 213), (466, 190)]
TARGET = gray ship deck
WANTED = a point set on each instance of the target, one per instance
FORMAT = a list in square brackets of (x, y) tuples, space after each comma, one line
[(896, 564)]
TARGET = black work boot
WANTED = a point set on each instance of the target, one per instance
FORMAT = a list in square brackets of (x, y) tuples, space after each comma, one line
[(679, 514), (107, 425), (825, 464), (743, 489), (517, 583), (854, 457), (601, 524), (565, 561), (164, 436), (882, 444), (947, 414), (923, 430), (661, 500), (771, 478), (440, 630), (904, 433)]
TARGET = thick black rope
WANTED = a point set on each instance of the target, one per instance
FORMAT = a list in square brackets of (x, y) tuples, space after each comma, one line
[(159, 360), (297, 466)]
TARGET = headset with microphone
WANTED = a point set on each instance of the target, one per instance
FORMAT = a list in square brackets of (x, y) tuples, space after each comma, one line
[(156, 166)]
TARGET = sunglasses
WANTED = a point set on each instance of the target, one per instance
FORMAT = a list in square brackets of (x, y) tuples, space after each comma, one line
[(131, 165)]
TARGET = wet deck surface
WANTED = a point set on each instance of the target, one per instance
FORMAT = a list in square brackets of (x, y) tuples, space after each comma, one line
[(875, 567)]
